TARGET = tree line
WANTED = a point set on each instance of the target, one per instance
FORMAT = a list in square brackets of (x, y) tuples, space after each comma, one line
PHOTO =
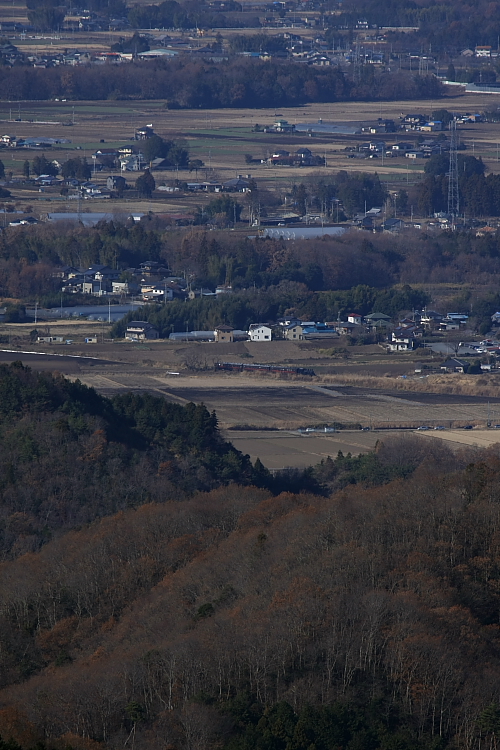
[(173, 15), (249, 306), (355, 191), (440, 27), (186, 83), (61, 439), (29, 257)]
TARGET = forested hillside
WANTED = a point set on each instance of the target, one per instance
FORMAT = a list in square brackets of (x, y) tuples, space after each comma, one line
[(313, 279), (28, 257), (69, 456), (234, 619)]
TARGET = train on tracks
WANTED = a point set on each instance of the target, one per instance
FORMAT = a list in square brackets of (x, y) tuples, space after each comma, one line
[(247, 367)]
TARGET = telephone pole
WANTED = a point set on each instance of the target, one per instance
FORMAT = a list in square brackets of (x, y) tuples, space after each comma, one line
[(453, 192)]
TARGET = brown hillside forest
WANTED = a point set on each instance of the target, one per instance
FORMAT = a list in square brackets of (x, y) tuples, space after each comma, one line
[(159, 591)]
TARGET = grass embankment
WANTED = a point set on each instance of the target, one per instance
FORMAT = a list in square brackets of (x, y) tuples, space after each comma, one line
[(451, 383)]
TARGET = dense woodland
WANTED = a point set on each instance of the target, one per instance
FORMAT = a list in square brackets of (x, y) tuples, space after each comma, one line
[(171, 14), (447, 26), (70, 456), (126, 451), (198, 84), (363, 613), (275, 274), (479, 193)]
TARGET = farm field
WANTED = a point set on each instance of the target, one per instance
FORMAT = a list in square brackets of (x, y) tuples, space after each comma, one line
[(221, 138), (460, 438), (261, 413), (243, 400), (294, 450)]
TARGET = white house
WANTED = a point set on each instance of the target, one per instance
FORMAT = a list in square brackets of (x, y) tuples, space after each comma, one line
[(151, 292), (124, 287), (354, 318), (415, 155), (402, 339), (283, 126), (132, 163), (50, 339), (259, 332)]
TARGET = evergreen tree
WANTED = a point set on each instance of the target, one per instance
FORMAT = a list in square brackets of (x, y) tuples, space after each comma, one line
[(78, 168), (154, 148), (145, 184), (225, 205), (46, 18), (41, 165)]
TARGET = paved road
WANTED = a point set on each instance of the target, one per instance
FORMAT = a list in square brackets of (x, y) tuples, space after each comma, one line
[(449, 350)]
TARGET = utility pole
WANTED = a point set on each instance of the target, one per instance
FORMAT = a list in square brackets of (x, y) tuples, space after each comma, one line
[(357, 63), (453, 192)]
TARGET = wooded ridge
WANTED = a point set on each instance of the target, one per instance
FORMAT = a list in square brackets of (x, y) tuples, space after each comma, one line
[(364, 614)]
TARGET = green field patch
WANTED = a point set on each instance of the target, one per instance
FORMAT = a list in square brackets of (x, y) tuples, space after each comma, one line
[(100, 109), (56, 111), (8, 163), (214, 146), (222, 132), (407, 168)]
